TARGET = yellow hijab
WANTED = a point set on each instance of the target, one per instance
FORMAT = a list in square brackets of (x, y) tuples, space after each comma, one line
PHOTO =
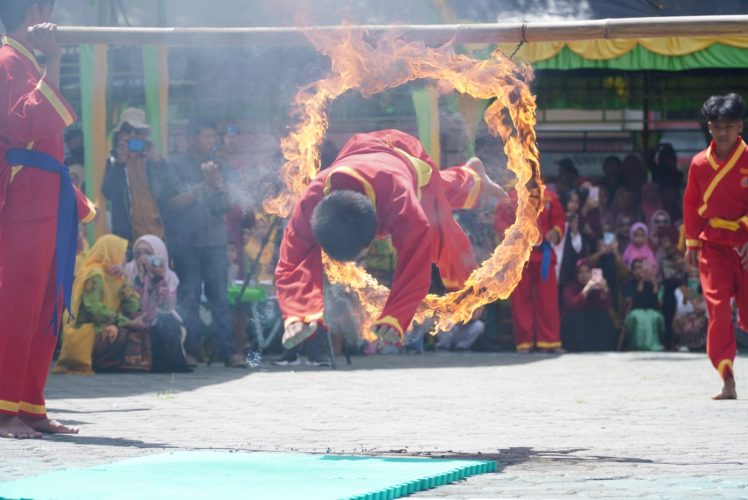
[(109, 250)]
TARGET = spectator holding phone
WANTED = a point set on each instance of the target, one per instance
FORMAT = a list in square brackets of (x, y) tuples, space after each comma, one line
[(586, 324), (128, 179), (644, 323)]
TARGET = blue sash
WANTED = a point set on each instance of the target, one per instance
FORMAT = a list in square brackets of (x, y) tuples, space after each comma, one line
[(545, 263), (66, 241)]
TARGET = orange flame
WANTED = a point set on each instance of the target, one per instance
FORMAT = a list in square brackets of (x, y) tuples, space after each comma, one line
[(389, 63)]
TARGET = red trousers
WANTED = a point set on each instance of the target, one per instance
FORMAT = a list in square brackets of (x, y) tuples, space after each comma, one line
[(27, 304), (535, 314), (722, 278)]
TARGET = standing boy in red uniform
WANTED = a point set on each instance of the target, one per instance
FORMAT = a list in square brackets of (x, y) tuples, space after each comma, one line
[(535, 314), (715, 215), (37, 254), (382, 184)]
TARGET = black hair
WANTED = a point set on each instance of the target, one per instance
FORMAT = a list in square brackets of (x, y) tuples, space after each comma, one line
[(13, 12), (72, 133), (344, 223), (724, 107), (197, 125)]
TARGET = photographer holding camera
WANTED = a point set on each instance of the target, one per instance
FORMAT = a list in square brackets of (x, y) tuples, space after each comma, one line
[(128, 179), (191, 192)]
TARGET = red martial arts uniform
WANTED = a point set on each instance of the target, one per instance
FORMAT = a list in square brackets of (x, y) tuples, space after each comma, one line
[(33, 117), (715, 215), (413, 201), (535, 314)]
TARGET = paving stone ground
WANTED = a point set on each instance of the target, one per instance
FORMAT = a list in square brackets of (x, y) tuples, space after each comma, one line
[(612, 425)]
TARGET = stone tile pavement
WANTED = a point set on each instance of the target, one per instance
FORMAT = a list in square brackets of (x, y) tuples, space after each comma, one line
[(605, 425)]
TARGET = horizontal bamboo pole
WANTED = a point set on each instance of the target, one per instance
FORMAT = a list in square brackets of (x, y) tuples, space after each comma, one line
[(540, 31)]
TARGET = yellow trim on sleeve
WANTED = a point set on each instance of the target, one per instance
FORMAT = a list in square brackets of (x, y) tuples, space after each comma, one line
[(725, 363), (91, 212), (390, 321), (721, 175), (693, 243), (729, 225), (368, 188), (421, 169), (18, 46), (55, 101), (9, 406), (32, 408), (451, 285), (559, 230), (474, 193)]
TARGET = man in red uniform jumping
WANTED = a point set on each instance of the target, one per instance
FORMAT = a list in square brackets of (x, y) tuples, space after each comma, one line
[(715, 215), (39, 211), (381, 184)]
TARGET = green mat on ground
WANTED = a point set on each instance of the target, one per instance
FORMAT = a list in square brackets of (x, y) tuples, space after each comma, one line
[(202, 474)]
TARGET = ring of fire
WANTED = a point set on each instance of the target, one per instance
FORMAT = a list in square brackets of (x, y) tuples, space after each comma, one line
[(357, 64)]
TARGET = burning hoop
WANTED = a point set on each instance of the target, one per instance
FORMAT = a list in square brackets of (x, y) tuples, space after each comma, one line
[(371, 69)]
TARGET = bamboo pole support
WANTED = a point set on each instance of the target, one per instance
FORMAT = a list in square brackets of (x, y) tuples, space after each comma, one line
[(540, 31)]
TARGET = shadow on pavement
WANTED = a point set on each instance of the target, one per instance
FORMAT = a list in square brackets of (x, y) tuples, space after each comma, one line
[(106, 441)]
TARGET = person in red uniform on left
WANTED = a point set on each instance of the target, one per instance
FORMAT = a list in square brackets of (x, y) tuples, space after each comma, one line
[(535, 312), (39, 211)]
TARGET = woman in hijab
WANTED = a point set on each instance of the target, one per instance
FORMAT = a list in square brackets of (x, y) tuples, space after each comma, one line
[(156, 284), (105, 334)]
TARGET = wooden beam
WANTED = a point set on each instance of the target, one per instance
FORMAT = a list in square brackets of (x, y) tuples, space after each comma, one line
[(534, 31)]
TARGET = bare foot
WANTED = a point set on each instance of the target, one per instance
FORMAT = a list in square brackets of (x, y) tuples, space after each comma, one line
[(13, 427), (728, 390), (48, 426), (490, 188)]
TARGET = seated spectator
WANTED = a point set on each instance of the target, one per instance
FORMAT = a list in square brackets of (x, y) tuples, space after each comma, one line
[(261, 248), (104, 306), (615, 272), (690, 322), (665, 168), (660, 219), (634, 174), (612, 176), (638, 247), (462, 337), (585, 318), (667, 247), (651, 202), (644, 323), (156, 284)]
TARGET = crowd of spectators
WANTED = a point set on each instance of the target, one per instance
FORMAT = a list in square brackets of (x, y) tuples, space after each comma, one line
[(623, 281)]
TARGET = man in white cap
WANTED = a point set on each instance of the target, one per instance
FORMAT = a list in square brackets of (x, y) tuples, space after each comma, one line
[(128, 179)]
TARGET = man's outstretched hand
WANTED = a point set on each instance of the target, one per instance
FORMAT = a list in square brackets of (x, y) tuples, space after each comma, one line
[(489, 187), (297, 332)]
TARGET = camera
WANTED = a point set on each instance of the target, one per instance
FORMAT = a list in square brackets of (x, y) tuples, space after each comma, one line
[(156, 261), (138, 146)]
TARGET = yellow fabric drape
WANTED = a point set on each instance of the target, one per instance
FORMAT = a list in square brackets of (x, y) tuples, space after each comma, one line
[(611, 49)]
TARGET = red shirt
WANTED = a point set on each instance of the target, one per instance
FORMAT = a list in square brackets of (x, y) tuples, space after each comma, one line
[(376, 165), (33, 116), (715, 203)]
